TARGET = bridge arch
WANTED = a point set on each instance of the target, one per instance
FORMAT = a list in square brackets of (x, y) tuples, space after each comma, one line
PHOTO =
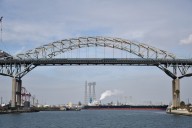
[(58, 47)]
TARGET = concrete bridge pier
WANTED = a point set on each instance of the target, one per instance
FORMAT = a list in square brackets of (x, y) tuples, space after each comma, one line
[(13, 100), (16, 92), (176, 92)]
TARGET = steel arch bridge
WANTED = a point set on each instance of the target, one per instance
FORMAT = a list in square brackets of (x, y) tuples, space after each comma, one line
[(21, 64), (14, 68)]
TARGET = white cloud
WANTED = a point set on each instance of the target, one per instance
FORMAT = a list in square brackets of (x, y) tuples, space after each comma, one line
[(187, 40)]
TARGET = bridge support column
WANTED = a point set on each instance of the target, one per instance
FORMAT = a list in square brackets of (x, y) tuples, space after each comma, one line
[(176, 92), (18, 92), (13, 100)]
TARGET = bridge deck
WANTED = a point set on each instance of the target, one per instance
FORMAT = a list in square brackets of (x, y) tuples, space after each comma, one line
[(98, 61)]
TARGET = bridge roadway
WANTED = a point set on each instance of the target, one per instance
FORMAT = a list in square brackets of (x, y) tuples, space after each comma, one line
[(98, 61)]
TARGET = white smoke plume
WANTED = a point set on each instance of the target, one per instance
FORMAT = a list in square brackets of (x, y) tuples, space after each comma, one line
[(109, 93), (187, 40)]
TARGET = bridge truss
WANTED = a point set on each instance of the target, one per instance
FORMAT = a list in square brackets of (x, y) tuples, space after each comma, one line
[(19, 65)]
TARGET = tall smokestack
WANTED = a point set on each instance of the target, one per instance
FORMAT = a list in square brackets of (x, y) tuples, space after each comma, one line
[(37, 103), (90, 96), (94, 95), (85, 92)]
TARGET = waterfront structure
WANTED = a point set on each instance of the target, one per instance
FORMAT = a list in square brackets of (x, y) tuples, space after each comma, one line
[(21, 64)]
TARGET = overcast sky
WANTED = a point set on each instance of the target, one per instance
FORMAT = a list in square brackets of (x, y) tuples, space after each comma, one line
[(165, 24)]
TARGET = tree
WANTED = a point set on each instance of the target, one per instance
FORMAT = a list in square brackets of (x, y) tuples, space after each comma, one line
[(182, 104)]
